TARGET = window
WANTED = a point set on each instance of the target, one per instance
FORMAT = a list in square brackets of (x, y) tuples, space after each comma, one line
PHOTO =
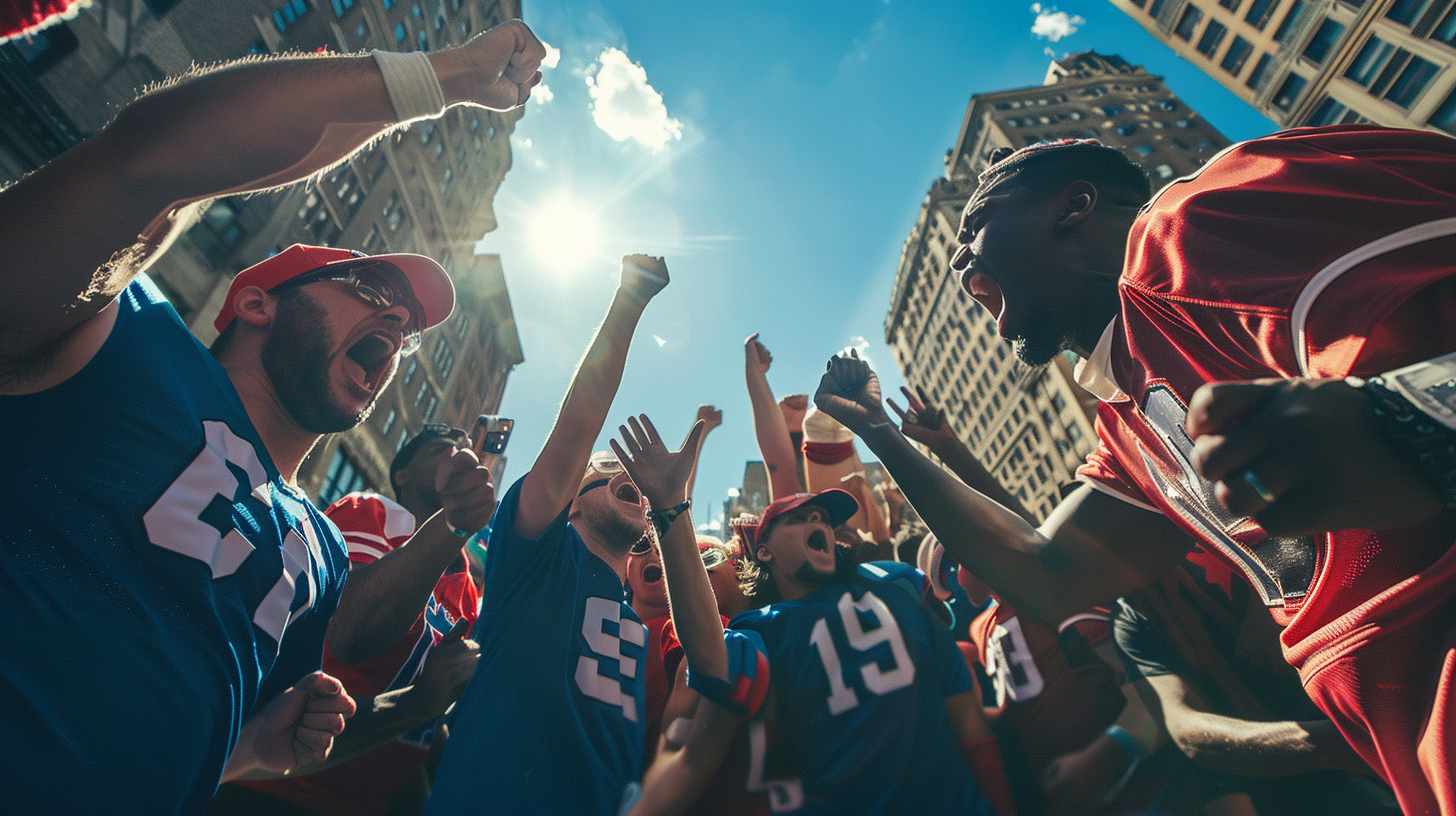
[(1330, 112), (1189, 21), (424, 389), (462, 325), (389, 422), (342, 477), (1323, 41), (1285, 97), (1296, 11), (341, 6), (430, 408), (44, 48), (1059, 404), (1231, 5), (217, 231), (1236, 56), (1406, 12), (1164, 171), (1391, 73), (399, 32), (287, 14), (393, 212), (1256, 76), (409, 373), (1212, 38), (1445, 31), (374, 242), (1408, 87), (1144, 150), (1156, 8), (1368, 63), (1445, 116), (420, 38), (1259, 13)]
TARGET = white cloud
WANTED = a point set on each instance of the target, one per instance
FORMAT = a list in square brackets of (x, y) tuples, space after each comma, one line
[(625, 106), (523, 144), (553, 56), (542, 94), (1054, 25)]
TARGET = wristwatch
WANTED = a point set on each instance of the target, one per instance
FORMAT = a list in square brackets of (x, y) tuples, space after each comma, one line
[(1415, 409)]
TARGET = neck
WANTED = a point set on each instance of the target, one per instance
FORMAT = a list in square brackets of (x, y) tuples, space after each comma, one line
[(648, 611), (287, 443)]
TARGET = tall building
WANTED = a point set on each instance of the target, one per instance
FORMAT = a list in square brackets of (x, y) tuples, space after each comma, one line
[(1320, 62), (1031, 427), (427, 189)]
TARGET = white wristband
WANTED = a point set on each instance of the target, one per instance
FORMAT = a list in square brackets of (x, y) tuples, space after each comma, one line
[(414, 90)]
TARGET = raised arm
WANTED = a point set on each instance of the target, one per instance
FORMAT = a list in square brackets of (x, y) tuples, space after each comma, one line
[(239, 127), (768, 422), (711, 418), (554, 479), (1092, 549)]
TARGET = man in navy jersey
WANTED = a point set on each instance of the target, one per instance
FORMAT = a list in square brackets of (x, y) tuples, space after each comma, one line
[(553, 720), (869, 706), (166, 587)]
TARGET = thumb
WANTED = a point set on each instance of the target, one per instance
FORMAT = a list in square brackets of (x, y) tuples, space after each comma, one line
[(457, 632), (1215, 407), (691, 443), (460, 461)]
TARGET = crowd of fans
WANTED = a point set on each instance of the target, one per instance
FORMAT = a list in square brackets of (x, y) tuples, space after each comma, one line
[(179, 613)]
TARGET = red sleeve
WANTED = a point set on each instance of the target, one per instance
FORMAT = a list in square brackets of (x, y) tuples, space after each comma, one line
[(372, 525)]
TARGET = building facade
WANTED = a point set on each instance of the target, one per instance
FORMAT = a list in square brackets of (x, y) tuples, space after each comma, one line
[(426, 190), (1030, 426), (1320, 62)]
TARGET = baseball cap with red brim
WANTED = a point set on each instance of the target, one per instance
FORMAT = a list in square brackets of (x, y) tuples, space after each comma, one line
[(839, 504), (428, 281)]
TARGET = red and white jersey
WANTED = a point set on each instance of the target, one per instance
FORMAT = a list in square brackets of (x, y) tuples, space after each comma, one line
[(1317, 252), (373, 526)]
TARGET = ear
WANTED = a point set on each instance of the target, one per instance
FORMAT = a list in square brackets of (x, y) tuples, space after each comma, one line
[(762, 554), (398, 478), (254, 306), (1075, 204)]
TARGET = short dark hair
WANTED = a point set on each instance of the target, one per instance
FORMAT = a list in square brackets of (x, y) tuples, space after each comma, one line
[(412, 448), (1054, 165)]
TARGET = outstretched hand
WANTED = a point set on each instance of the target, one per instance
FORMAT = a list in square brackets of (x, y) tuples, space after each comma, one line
[(643, 276), (296, 728), (922, 421), (499, 66), (849, 391), (662, 475)]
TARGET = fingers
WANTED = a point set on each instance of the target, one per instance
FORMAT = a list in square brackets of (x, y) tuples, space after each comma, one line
[(893, 407), (627, 461), (653, 438), (327, 723), (1217, 406), (924, 398), (457, 633), (691, 443), (914, 403), (450, 469)]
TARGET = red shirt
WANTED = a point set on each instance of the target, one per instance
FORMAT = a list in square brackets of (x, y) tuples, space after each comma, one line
[(1319, 252)]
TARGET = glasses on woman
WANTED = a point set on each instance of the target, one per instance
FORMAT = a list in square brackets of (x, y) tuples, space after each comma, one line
[(375, 283)]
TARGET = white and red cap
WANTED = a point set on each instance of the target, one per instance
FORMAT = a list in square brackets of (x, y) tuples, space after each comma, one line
[(428, 281)]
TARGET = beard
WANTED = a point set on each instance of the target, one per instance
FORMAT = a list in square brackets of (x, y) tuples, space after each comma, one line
[(296, 359), (618, 532), (1040, 346)]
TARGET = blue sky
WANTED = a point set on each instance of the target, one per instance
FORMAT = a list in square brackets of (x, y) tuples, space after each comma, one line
[(777, 155)]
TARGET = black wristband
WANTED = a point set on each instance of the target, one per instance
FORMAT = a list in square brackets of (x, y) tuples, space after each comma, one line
[(663, 519), (1417, 434)]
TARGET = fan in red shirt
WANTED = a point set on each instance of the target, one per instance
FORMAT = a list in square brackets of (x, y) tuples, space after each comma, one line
[(1293, 261)]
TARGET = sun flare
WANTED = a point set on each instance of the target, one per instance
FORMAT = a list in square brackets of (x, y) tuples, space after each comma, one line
[(564, 234)]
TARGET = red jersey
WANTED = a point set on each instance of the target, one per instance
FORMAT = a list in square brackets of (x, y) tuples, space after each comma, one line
[(1318, 252), (373, 526), (1056, 695)]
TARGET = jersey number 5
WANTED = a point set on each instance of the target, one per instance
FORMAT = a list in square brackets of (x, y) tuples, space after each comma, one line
[(589, 678), (901, 673)]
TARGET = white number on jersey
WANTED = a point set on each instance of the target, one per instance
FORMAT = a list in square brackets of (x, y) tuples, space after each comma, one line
[(1010, 664), (174, 523), (589, 679), (877, 679), (784, 795)]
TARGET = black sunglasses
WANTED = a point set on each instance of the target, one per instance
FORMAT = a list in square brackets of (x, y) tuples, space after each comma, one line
[(374, 283)]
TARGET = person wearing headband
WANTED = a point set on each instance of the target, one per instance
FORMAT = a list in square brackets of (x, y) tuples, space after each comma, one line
[(167, 546)]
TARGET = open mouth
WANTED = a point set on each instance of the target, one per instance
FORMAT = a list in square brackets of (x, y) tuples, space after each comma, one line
[(987, 293), (818, 541), (373, 354), (652, 574), (628, 493)]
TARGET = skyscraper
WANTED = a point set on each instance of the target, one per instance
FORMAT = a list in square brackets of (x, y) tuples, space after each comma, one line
[(1030, 427), (1320, 62)]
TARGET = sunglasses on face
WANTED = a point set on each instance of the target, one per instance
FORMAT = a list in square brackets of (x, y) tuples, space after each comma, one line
[(375, 284), (605, 463), (714, 557)]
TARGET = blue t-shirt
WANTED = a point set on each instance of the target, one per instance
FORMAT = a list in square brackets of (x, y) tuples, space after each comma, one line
[(552, 719), (860, 672), (151, 561)]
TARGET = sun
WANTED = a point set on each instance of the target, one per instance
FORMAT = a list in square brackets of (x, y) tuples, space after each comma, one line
[(564, 235)]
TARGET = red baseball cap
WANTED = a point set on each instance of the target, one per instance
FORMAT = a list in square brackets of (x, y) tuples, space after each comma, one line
[(427, 279), (839, 504)]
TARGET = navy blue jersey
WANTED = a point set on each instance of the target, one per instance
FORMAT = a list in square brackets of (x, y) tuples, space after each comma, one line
[(860, 673), (152, 562), (552, 721)]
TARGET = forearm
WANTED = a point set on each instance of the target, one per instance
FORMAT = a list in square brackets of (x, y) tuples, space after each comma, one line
[(677, 778), (964, 464), (690, 598), (553, 481), (1264, 749), (772, 433), (383, 599)]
